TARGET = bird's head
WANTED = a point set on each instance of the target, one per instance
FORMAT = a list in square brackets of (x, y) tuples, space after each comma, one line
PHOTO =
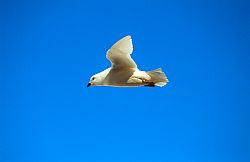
[(99, 78), (95, 80)]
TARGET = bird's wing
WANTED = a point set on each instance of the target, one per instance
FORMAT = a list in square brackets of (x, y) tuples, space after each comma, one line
[(119, 54)]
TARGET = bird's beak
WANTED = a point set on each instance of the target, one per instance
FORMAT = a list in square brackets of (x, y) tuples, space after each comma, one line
[(89, 84)]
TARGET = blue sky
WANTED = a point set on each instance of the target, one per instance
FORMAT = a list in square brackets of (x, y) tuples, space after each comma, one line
[(49, 49)]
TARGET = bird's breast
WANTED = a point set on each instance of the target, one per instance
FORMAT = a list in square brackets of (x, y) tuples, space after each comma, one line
[(118, 77)]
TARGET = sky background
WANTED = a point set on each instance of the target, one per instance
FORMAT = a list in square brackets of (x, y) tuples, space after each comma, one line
[(49, 50)]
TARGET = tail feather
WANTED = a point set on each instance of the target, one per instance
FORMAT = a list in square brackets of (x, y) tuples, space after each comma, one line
[(158, 77)]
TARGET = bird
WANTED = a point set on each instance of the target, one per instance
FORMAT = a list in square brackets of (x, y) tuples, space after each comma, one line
[(124, 71)]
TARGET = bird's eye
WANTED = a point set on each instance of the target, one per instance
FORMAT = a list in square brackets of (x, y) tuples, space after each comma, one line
[(93, 78)]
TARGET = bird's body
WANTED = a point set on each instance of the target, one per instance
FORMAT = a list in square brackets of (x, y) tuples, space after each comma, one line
[(124, 78), (124, 71)]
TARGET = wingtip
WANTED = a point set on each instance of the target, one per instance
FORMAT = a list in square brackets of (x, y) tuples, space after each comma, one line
[(128, 36)]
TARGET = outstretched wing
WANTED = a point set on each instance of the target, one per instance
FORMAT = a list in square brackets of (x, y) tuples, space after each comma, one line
[(119, 54)]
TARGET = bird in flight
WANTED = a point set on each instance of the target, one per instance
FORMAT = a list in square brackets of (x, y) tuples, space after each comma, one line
[(124, 71)]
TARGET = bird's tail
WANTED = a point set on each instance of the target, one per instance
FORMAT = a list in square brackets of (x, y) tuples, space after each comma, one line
[(158, 77)]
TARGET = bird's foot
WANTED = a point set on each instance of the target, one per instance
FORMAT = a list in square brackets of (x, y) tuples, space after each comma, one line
[(152, 84)]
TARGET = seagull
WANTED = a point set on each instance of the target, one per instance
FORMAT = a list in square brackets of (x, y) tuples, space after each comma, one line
[(124, 71)]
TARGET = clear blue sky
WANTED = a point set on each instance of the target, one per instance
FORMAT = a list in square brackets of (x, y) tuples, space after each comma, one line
[(49, 49)]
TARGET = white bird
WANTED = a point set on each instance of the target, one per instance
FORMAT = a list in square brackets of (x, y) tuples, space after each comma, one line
[(124, 71)]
